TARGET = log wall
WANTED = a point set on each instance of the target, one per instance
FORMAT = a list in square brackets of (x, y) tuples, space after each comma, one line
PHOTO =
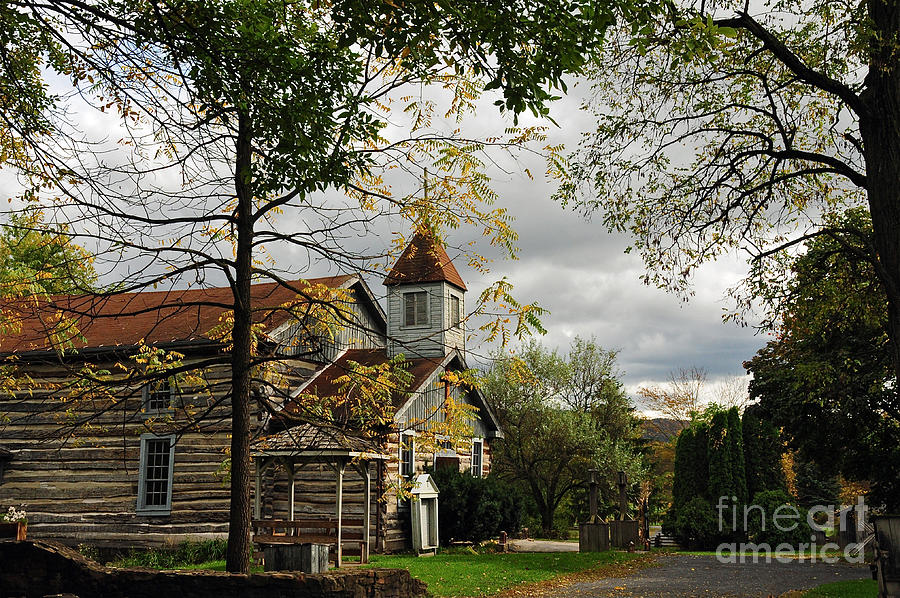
[(81, 485)]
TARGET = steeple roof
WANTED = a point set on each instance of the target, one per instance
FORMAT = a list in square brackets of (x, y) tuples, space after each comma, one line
[(424, 260)]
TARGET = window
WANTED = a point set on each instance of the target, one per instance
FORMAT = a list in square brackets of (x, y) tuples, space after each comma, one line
[(455, 312), (407, 455), (446, 456), (476, 458), (415, 309), (155, 478), (158, 396)]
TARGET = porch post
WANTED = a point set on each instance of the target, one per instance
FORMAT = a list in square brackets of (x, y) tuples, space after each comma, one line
[(257, 504), (367, 510), (339, 508), (290, 468)]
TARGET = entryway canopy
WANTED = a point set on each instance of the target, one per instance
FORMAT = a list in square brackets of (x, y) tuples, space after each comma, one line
[(307, 444)]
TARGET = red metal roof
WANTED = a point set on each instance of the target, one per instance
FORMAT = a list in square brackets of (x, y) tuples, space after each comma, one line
[(424, 260), (124, 319), (325, 385)]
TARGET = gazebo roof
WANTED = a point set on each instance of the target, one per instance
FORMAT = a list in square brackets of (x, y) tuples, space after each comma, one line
[(313, 443)]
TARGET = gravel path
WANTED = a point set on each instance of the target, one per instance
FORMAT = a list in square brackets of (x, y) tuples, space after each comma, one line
[(685, 576)]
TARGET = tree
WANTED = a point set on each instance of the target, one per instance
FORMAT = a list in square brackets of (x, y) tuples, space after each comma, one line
[(38, 261), (827, 379), (765, 527), (721, 461), (680, 399), (548, 447), (736, 448), (743, 126), (762, 452), (709, 467), (691, 468), (815, 486), (260, 107)]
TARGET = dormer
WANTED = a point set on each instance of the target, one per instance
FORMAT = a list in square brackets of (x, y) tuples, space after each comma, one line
[(426, 302)]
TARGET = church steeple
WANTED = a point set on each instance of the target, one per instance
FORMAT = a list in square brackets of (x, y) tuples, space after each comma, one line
[(424, 260), (426, 301)]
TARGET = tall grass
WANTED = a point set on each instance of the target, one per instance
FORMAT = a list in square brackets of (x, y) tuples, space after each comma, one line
[(185, 554)]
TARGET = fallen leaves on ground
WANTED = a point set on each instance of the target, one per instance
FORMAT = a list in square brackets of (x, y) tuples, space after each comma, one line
[(541, 588)]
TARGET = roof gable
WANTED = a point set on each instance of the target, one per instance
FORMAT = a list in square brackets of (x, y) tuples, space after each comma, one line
[(424, 260), (324, 382)]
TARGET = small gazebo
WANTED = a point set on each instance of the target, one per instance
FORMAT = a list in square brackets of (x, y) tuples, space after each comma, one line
[(307, 444)]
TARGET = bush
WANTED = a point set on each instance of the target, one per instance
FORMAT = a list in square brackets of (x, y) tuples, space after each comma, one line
[(475, 509), (695, 524), (763, 529)]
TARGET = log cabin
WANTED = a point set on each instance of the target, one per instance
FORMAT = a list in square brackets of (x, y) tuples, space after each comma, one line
[(102, 457)]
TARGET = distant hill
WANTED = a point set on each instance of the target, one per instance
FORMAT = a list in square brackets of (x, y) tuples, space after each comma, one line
[(660, 428)]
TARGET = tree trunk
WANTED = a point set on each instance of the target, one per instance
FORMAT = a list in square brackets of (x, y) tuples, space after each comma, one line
[(238, 552), (880, 131), (547, 519)]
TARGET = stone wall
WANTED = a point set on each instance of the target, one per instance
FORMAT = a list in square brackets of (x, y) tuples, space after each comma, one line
[(34, 569)]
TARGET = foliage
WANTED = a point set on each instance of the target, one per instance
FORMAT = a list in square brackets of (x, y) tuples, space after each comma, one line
[(475, 509), (762, 453), (691, 466), (827, 379), (815, 486), (486, 574), (736, 448), (732, 126), (721, 461), (695, 524), (185, 554), (662, 480), (709, 465), (680, 398), (791, 527), (37, 260), (548, 448)]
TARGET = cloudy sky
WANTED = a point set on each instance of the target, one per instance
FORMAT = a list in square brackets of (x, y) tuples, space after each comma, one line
[(575, 269), (579, 272)]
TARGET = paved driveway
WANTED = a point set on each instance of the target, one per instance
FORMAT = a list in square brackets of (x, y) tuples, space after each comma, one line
[(684, 576)]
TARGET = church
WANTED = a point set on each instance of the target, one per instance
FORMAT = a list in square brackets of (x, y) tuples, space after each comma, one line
[(147, 464)]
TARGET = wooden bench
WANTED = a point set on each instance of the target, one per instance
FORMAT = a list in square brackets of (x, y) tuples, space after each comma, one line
[(315, 531)]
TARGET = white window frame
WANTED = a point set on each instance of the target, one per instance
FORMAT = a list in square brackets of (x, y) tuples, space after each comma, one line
[(480, 470), (145, 398), (410, 441), (426, 319), (142, 507), (455, 314)]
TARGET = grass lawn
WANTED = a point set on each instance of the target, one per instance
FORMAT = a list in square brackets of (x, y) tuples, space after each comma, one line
[(212, 566), (484, 574), (859, 588)]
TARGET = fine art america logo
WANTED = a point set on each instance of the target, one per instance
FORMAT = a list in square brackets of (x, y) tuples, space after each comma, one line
[(788, 520)]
